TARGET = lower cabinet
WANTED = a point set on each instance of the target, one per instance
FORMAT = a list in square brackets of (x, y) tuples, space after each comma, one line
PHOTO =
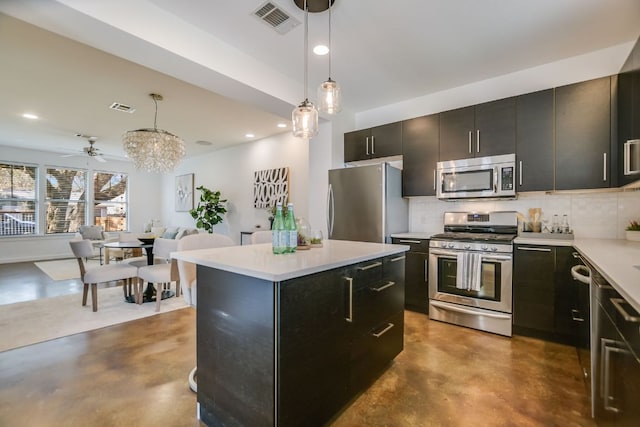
[(416, 276), (546, 301), (338, 332)]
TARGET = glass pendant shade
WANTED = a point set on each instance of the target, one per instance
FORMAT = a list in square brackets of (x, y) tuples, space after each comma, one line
[(305, 120), (329, 97)]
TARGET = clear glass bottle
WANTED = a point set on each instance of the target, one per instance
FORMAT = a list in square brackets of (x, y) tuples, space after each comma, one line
[(278, 235), (291, 229)]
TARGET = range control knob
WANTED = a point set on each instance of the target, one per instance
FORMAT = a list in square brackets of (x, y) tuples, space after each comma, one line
[(494, 249), (452, 245), (467, 247), (484, 247)]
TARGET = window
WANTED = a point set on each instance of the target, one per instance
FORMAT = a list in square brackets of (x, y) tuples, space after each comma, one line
[(110, 195), (18, 197), (66, 200)]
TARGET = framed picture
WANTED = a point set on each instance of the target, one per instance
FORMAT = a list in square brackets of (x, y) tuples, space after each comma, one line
[(270, 186), (184, 192)]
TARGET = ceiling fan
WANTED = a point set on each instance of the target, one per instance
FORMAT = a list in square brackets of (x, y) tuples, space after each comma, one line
[(91, 150)]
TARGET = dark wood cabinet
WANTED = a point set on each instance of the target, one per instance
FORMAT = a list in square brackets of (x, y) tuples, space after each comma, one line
[(376, 142), (534, 141), (583, 135), (420, 147), (416, 275), (628, 147), (545, 297), (482, 130)]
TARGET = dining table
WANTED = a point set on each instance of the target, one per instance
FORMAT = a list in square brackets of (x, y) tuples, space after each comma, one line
[(149, 294)]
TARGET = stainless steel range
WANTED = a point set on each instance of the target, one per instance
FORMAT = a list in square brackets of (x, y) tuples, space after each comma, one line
[(470, 270)]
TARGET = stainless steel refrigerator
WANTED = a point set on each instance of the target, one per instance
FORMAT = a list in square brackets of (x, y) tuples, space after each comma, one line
[(365, 203)]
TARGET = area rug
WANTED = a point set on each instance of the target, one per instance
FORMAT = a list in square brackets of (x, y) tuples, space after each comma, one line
[(31, 322), (64, 269)]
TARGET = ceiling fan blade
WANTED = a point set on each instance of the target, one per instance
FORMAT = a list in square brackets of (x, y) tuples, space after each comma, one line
[(68, 155)]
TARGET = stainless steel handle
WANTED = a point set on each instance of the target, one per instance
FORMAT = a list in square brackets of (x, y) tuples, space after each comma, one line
[(496, 258), (617, 303), (575, 316), (608, 398), (367, 141), (444, 253), (470, 137), (409, 241), (604, 166), (575, 273), (527, 248), (520, 171), (477, 140), (383, 287), (434, 179), (370, 266), (330, 211), (384, 331), (349, 318), (467, 311), (399, 258), (495, 180), (373, 144), (627, 156)]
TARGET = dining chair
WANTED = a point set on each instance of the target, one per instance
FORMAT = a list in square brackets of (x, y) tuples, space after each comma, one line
[(161, 275), (187, 272), (262, 236), (100, 274)]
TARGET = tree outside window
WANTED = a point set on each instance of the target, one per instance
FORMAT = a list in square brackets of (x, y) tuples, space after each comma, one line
[(18, 200)]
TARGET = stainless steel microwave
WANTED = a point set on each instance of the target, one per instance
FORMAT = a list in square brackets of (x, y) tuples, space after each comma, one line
[(480, 177)]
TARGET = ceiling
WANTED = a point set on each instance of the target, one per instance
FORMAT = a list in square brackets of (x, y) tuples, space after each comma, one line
[(223, 73)]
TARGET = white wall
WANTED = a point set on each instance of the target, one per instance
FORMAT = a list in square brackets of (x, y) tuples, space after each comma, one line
[(230, 171), (144, 197)]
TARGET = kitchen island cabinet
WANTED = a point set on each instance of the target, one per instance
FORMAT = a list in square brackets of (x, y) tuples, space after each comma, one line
[(291, 339)]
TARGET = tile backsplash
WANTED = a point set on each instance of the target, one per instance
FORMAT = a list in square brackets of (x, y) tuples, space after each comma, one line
[(591, 215)]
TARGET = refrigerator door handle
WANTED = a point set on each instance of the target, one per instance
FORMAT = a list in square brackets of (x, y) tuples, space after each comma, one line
[(330, 210)]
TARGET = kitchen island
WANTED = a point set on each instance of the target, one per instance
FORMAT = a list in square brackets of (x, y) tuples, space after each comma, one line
[(292, 339)]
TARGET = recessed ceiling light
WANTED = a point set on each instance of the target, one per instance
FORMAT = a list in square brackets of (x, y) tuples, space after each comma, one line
[(30, 116), (250, 135), (282, 125), (320, 50)]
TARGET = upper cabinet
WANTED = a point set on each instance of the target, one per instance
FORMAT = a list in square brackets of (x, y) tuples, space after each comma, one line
[(534, 141), (583, 135), (420, 141), (379, 141), (482, 130), (628, 146)]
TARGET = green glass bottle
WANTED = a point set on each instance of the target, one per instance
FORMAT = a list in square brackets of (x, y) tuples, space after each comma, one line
[(278, 232), (291, 229)]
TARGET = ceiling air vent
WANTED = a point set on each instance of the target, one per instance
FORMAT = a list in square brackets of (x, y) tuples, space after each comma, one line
[(122, 107), (275, 17)]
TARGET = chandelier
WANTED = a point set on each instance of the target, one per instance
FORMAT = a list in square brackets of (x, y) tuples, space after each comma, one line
[(153, 150), (329, 97)]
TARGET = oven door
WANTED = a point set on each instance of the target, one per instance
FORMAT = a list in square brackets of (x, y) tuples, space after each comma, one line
[(495, 283)]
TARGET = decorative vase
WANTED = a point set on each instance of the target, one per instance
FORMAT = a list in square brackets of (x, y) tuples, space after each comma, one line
[(633, 235)]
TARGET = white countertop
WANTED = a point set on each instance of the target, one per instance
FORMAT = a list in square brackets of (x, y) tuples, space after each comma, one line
[(258, 260), (616, 261), (416, 235)]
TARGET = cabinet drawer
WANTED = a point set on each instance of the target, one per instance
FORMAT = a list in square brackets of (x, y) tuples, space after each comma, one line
[(417, 245), (372, 351), (376, 302)]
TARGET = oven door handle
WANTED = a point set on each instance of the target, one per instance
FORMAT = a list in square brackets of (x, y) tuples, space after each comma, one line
[(445, 306), (496, 258), (441, 252)]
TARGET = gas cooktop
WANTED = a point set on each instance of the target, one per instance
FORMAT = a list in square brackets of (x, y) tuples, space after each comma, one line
[(475, 237)]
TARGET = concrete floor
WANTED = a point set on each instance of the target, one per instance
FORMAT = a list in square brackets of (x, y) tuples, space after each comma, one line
[(135, 374)]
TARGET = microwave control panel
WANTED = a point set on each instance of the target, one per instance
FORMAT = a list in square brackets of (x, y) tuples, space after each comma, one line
[(506, 178)]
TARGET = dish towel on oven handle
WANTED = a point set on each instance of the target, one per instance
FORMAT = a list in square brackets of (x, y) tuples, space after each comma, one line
[(469, 271)]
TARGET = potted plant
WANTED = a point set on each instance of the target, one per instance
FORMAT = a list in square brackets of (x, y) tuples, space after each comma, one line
[(633, 230), (209, 210)]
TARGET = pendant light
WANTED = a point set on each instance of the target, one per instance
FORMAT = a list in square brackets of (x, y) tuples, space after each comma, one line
[(329, 97), (305, 115)]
